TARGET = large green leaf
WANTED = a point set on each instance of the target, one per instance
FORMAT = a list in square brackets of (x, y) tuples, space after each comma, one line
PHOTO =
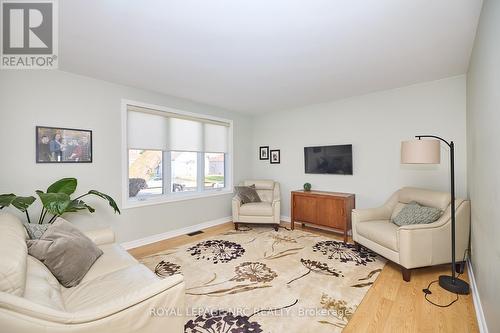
[(65, 185), (55, 203), (6, 199), (21, 203), (111, 201), (76, 205)]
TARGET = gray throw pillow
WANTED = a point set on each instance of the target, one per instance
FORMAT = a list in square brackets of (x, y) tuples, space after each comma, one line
[(66, 252), (414, 213), (247, 194)]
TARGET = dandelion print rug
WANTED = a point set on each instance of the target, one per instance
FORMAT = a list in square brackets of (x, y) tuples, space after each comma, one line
[(259, 280)]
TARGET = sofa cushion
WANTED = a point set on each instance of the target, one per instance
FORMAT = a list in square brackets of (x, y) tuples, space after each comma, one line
[(107, 288), (413, 213), (66, 251), (41, 286), (381, 232), (257, 209), (14, 254), (114, 258)]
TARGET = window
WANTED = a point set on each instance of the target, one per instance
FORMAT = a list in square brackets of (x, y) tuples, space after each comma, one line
[(145, 172), (214, 170), (184, 166), (173, 155)]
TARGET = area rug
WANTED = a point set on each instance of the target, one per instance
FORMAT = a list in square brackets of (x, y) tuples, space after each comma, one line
[(259, 280)]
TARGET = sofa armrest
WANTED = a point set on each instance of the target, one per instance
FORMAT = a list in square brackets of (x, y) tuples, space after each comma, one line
[(426, 226), (371, 214), (236, 204), (137, 296), (101, 236), (276, 204), (42, 315)]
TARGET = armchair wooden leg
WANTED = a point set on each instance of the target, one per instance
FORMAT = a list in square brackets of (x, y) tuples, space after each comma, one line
[(406, 274), (235, 225), (276, 228), (358, 246)]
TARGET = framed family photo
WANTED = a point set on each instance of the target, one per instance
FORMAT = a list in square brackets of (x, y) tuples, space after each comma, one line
[(275, 156), (264, 153), (63, 145)]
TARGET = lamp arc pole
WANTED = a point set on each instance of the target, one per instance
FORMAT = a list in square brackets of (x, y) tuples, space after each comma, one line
[(451, 283)]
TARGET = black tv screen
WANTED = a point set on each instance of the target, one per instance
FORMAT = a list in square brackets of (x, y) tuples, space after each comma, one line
[(329, 159)]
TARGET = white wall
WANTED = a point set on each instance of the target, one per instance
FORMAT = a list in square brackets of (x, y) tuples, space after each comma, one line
[(375, 125), (54, 98), (483, 127)]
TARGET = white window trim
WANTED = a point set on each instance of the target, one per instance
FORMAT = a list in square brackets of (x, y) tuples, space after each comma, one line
[(166, 198)]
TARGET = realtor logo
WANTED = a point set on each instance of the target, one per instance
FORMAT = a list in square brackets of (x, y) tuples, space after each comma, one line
[(29, 34)]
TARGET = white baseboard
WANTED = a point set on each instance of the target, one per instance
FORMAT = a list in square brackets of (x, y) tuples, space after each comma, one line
[(481, 322), (285, 218), (174, 233)]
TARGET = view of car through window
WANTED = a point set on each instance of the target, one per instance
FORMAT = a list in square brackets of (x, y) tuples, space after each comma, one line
[(145, 172), (184, 171)]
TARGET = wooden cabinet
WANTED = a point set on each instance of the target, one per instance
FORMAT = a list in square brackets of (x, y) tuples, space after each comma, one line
[(327, 209)]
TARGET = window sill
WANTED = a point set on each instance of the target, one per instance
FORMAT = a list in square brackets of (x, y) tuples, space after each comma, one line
[(161, 199)]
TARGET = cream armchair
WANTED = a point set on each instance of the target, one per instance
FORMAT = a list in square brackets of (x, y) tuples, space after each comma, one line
[(116, 295), (417, 245), (265, 212)]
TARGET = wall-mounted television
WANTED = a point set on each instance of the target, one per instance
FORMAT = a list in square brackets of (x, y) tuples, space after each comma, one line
[(329, 159)]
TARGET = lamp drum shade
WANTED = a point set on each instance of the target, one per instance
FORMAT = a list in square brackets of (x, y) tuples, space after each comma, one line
[(420, 152)]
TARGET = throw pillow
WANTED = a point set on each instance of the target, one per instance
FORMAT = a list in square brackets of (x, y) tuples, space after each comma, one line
[(247, 194), (35, 230), (414, 213), (66, 252)]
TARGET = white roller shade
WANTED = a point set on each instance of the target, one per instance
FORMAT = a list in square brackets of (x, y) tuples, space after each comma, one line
[(185, 135), (147, 131), (216, 138)]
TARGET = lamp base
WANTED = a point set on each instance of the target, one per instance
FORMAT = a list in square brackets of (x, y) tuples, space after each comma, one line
[(455, 286)]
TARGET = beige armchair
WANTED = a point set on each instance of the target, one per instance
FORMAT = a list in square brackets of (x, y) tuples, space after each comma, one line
[(417, 245), (116, 295), (265, 212)]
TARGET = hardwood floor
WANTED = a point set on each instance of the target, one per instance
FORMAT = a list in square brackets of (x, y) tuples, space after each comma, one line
[(391, 305)]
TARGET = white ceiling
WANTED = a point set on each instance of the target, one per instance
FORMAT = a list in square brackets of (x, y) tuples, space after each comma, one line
[(263, 55)]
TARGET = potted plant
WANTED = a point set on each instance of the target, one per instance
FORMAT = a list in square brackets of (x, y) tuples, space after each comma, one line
[(56, 201)]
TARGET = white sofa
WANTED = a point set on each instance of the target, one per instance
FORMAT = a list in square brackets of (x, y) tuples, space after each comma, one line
[(265, 212), (416, 245), (116, 295)]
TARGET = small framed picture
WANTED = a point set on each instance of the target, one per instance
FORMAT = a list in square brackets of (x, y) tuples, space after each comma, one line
[(264, 153), (275, 156), (63, 145)]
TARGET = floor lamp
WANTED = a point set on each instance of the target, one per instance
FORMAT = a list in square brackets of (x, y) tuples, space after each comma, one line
[(429, 152)]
